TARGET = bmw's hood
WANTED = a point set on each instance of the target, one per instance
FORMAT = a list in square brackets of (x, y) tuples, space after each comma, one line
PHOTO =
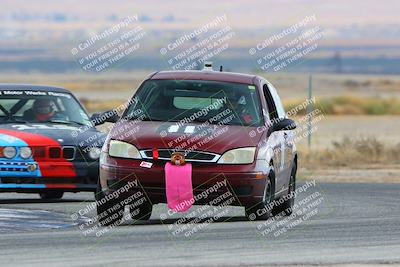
[(195, 136), (66, 135)]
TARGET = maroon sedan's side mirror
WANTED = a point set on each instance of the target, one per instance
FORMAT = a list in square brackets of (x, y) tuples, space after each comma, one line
[(282, 125), (102, 117)]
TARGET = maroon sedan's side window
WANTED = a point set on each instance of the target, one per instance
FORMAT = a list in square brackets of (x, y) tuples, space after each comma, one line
[(273, 114)]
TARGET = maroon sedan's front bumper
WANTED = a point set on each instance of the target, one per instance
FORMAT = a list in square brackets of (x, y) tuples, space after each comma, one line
[(246, 182)]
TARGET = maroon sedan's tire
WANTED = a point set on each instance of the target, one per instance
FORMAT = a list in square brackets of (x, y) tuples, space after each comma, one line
[(261, 211), (286, 208), (51, 195)]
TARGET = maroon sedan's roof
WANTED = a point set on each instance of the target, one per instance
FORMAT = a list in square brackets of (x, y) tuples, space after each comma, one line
[(205, 75)]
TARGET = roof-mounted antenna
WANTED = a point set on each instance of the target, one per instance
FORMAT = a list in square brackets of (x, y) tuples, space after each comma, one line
[(221, 68), (208, 65)]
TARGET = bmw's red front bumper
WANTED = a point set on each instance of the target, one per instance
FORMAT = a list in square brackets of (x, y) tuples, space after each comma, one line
[(51, 175)]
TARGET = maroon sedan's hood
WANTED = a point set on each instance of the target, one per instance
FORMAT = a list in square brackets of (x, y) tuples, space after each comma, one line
[(196, 136)]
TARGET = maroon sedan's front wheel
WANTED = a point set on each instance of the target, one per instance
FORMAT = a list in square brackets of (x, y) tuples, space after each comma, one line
[(286, 204), (261, 211)]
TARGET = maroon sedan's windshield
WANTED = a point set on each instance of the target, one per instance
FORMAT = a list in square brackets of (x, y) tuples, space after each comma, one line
[(197, 101)]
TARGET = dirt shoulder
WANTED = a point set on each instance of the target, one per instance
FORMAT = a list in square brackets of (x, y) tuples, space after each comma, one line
[(367, 174)]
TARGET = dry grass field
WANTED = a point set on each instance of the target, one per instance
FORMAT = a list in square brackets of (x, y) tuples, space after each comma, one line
[(290, 85)]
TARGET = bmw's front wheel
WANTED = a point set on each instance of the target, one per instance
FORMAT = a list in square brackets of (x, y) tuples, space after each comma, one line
[(51, 195)]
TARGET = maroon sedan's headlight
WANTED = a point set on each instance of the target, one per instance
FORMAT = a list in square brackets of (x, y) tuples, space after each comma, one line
[(244, 155), (121, 149)]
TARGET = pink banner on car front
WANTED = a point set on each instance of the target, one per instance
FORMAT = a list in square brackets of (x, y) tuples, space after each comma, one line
[(178, 186)]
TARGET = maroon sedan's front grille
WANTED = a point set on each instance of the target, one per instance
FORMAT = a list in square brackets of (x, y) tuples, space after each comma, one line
[(199, 156)]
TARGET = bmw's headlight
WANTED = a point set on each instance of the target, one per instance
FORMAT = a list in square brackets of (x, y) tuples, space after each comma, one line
[(9, 152), (244, 155), (123, 150), (103, 157), (94, 152), (25, 152)]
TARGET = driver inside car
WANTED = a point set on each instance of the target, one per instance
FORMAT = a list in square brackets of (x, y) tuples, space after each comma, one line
[(241, 108), (43, 110)]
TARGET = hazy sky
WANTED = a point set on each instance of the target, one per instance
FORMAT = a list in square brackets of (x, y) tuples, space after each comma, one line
[(241, 13)]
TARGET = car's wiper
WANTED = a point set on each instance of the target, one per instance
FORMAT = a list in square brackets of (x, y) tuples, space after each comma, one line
[(199, 120), (65, 122), (13, 121), (146, 118)]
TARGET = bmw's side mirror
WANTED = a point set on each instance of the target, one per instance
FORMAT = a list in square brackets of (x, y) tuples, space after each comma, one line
[(282, 125), (102, 117)]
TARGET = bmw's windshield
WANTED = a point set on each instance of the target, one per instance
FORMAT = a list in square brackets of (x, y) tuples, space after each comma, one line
[(197, 101), (20, 106)]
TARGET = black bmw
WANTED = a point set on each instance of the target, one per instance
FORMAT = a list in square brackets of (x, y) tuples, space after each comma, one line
[(48, 143)]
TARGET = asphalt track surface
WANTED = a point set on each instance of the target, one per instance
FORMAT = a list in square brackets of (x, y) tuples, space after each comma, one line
[(340, 224)]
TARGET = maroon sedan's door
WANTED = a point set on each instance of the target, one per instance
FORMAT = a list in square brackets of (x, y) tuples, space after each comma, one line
[(287, 141), (277, 139)]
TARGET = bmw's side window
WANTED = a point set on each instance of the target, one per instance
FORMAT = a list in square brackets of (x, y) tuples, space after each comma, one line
[(273, 114), (27, 106)]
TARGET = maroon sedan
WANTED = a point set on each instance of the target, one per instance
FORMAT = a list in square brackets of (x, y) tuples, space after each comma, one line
[(230, 127)]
